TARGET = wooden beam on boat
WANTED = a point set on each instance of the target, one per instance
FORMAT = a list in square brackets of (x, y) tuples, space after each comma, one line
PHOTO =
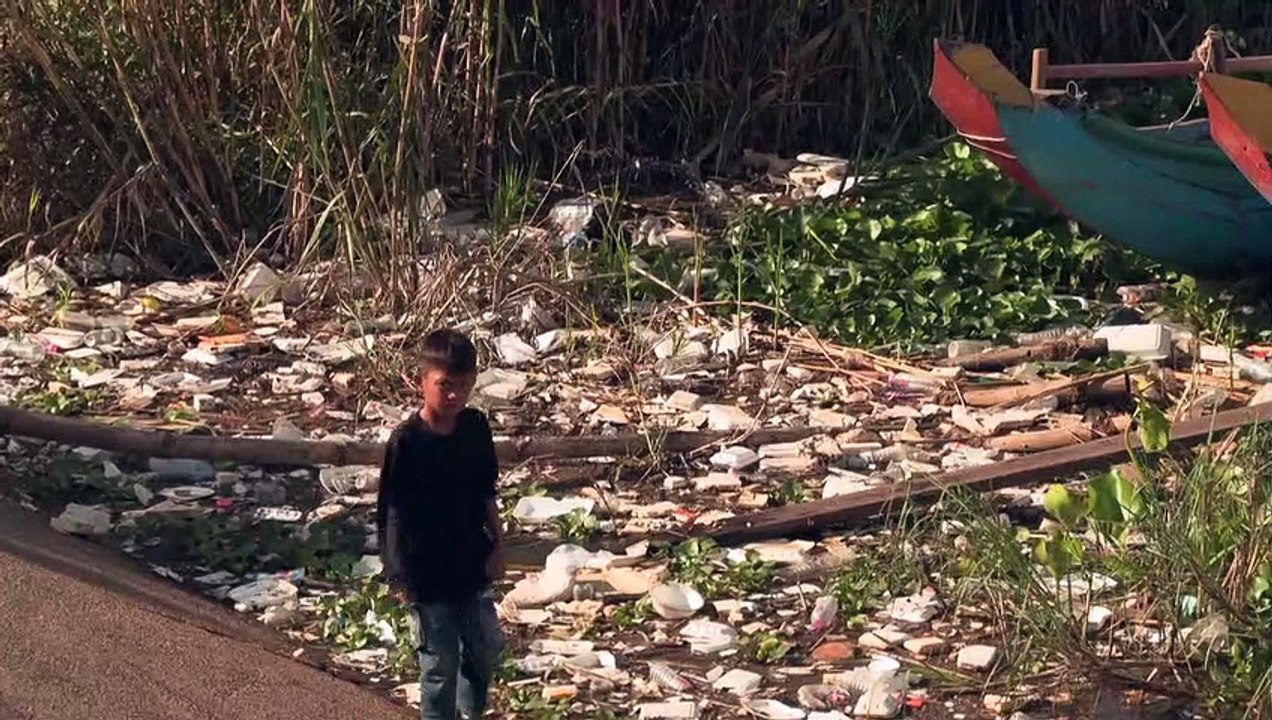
[(1044, 72), (309, 453), (1040, 467)]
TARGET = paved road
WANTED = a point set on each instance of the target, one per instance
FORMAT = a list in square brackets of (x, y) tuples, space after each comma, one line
[(85, 633)]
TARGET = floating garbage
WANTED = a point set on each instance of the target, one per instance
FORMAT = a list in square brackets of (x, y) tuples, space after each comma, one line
[(917, 608), (707, 637), (278, 514), (823, 615), (187, 493), (572, 558), (539, 509), (675, 601), (263, 593), (735, 458), (541, 589), (664, 677), (773, 709), (561, 647), (822, 697), (536, 664), (182, 469), (82, 520), (738, 682)]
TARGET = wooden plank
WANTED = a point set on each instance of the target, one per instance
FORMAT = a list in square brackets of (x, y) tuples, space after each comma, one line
[(1044, 466), (999, 359), (1038, 76), (1163, 69), (307, 453)]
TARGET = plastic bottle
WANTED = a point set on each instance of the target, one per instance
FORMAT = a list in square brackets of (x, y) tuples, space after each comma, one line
[(963, 348), (536, 664), (1055, 333), (668, 679), (824, 612), (882, 456), (103, 336), (22, 349), (914, 384), (860, 680), (1253, 370)]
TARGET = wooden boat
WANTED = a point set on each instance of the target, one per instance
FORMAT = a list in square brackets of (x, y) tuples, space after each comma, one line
[(1168, 192), (1241, 125)]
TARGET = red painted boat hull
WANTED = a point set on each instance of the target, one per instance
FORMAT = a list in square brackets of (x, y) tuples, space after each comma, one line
[(972, 113), (1244, 151)]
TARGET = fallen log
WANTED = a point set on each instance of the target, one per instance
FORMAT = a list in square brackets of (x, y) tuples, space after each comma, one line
[(1064, 436), (1104, 387), (1098, 390), (1052, 351), (1044, 466), (308, 453), (986, 397)]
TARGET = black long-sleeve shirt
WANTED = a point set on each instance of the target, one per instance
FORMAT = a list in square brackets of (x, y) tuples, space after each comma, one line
[(431, 509)]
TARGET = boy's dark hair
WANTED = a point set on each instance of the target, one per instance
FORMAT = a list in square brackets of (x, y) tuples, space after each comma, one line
[(447, 350)]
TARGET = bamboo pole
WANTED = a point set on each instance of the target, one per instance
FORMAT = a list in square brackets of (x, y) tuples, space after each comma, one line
[(1038, 76), (308, 453), (817, 515), (1043, 72)]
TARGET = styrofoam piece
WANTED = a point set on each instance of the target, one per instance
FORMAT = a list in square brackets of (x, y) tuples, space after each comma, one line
[(1146, 342)]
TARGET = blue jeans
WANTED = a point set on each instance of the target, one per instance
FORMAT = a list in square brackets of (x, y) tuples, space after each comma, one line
[(459, 644)]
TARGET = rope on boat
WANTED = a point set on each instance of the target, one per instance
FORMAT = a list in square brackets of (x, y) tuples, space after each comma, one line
[(1212, 52)]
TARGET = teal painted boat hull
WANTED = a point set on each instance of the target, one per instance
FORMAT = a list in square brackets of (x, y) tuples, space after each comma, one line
[(1178, 200), (1169, 193)]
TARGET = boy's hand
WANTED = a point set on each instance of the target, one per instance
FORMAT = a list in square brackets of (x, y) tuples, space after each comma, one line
[(495, 566)]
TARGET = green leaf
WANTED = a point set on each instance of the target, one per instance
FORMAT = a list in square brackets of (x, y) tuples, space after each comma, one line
[(991, 268), (1154, 428), (946, 298), (1062, 506), (1059, 554), (1112, 498), (1262, 585), (874, 228), (928, 274)]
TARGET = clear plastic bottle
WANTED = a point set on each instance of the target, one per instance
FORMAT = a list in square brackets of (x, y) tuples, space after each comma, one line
[(22, 349), (1055, 333), (103, 336), (1253, 370), (873, 458), (537, 664), (963, 348), (823, 615), (668, 679), (914, 384)]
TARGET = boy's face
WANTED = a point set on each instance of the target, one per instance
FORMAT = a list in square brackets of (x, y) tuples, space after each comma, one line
[(444, 392)]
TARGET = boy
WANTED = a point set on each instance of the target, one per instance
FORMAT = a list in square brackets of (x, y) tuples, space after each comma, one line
[(440, 533)]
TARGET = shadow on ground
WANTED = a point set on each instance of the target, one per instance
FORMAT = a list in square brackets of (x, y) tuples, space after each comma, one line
[(89, 634)]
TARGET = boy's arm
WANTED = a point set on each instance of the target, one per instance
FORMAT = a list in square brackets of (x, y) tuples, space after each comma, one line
[(494, 522), (490, 489), (388, 518)]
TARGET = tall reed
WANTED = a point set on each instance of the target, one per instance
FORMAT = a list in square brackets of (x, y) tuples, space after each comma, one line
[(200, 132)]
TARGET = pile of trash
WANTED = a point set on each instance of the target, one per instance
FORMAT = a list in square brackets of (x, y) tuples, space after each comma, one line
[(165, 356)]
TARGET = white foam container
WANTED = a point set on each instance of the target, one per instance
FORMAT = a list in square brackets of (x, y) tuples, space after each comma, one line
[(1145, 342)]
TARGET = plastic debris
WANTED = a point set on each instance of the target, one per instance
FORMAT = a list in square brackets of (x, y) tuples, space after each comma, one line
[(82, 520), (707, 637), (675, 601), (823, 615), (263, 593), (539, 509), (773, 709)]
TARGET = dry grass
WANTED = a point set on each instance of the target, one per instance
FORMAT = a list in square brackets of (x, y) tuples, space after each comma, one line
[(203, 131)]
